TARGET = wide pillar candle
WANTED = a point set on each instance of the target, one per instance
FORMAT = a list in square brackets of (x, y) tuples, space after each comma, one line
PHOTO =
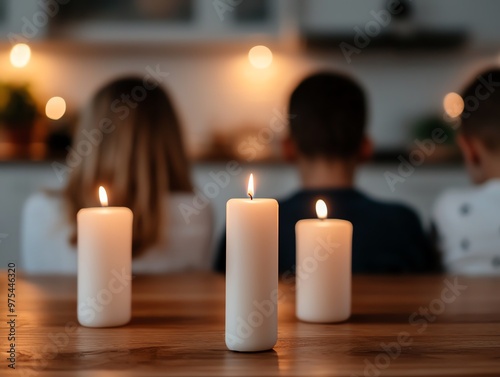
[(251, 273), (323, 268), (104, 265)]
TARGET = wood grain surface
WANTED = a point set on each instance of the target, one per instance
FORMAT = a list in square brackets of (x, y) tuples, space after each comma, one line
[(401, 326)]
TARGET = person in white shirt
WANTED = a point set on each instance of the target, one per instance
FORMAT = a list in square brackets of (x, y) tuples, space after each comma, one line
[(467, 222), (129, 140)]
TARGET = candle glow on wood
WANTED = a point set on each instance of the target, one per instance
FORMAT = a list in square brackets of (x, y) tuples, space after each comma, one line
[(321, 209), (103, 197)]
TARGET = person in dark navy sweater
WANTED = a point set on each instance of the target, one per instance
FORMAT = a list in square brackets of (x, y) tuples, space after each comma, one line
[(327, 142)]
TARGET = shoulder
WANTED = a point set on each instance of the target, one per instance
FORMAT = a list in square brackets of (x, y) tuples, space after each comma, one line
[(45, 205), (288, 201), (293, 206), (296, 198), (454, 195), (191, 199), (42, 202), (451, 202), (44, 235), (391, 209), (188, 208)]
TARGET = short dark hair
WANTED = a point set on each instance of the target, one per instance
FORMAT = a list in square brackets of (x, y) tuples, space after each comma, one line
[(328, 116), (481, 115)]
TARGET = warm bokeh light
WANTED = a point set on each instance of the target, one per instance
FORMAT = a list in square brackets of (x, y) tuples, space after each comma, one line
[(321, 209), (453, 104), (103, 197), (250, 187), (20, 55), (55, 108), (260, 57)]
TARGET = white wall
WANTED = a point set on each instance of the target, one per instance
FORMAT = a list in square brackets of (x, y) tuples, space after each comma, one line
[(219, 90), (478, 18), (216, 88)]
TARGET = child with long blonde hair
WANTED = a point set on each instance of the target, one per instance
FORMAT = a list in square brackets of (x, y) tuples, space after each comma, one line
[(129, 141)]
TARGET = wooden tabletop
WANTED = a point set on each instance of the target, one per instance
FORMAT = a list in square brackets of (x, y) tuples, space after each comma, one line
[(401, 326)]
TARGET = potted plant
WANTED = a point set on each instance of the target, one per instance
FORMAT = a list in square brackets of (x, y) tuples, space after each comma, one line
[(18, 112), (442, 149)]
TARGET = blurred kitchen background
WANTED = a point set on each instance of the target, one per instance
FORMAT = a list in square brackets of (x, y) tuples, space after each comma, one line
[(226, 95)]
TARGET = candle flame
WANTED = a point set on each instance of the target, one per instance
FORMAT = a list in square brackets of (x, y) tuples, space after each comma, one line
[(103, 197), (250, 187), (321, 209)]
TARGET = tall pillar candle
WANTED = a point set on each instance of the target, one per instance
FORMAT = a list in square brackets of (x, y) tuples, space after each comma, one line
[(323, 272), (104, 265), (251, 273)]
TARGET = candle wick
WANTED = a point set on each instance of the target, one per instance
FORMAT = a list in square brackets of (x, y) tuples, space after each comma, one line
[(250, 195)]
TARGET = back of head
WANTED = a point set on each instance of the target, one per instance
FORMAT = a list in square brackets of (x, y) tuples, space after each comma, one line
[(328, 116), (481, 116), (130, 142)]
